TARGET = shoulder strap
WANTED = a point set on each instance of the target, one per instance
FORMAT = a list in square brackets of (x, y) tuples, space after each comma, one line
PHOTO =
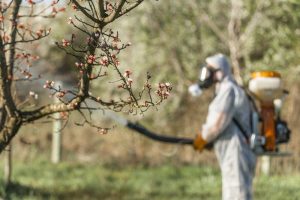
[(253, 108), (241, 128)]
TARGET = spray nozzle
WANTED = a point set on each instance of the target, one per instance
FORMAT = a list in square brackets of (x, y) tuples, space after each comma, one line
[(195, 90)]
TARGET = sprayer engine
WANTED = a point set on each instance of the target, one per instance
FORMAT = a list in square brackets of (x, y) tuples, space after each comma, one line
[(270, 131), (282, 132)]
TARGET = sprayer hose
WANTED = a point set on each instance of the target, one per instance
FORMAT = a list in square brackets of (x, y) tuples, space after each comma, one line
[(161, 138)]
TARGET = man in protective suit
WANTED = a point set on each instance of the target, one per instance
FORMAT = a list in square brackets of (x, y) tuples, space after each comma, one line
[(229, 110)]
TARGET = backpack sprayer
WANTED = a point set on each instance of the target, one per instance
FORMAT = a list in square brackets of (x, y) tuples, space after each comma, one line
[(268, 130)]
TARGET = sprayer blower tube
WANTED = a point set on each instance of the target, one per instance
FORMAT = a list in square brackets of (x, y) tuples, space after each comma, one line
[(162, 138)]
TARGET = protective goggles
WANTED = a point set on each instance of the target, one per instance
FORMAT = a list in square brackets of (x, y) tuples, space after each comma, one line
[(206, 76)]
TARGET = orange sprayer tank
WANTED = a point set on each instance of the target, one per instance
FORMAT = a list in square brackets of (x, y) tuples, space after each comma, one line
[(266, 86)]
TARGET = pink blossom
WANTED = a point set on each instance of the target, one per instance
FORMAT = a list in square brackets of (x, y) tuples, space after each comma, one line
[(70, 20), (129, 80), (91, 59), (60, 94), (127, 73), (49, 84), (104, 61), (74, 7), (65, 43)]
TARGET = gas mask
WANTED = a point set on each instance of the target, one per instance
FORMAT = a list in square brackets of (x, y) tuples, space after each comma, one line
[(206, 80)]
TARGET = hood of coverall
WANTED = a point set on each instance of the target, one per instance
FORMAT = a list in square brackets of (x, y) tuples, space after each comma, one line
[(220, 61)]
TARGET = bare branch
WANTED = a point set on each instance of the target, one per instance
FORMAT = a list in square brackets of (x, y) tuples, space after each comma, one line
[(85, 12), (114, 14), (117, 12), (130, 8), (86, 121), (204, 17), (3, 117), (251, 26), (29, 116), (5, 84), (93, 8), (101, 8), (234, 27)]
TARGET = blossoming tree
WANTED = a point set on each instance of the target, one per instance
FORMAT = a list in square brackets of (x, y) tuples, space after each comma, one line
[(94, 57)]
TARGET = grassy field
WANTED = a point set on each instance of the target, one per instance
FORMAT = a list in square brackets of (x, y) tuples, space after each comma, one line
[(42, 180)]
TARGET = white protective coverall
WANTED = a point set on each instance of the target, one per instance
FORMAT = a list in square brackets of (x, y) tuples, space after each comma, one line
[(236, 159)]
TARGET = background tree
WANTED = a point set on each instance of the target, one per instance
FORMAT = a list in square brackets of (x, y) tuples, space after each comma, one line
[(96, 58), (255, 35)]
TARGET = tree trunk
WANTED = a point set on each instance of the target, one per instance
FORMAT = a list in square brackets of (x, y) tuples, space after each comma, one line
[(8, 165), (9, 131), (56, 134), (234, 57)]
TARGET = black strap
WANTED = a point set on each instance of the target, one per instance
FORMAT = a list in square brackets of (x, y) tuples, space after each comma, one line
[(244, 132), (252, 107)]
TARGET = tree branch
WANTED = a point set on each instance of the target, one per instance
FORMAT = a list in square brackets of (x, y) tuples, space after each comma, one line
[(7, 99), (130, 8), (3, 117), (252, 24), (101, 8), (88, 15), (204, 17), (29, 116), (234, 27), (110, 18)]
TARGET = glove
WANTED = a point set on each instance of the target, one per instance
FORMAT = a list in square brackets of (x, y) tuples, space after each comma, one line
[(199, 143)]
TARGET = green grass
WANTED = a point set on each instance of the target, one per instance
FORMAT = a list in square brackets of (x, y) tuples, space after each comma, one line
[(43, 180)]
